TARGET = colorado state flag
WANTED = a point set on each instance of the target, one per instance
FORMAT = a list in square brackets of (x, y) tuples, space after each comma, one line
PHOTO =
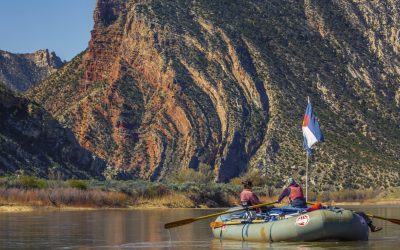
[(311, 131)]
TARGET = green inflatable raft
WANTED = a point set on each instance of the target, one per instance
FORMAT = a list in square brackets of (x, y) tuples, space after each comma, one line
[(289, 224)]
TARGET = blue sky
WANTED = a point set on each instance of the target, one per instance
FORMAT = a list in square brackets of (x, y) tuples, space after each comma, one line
[(62, 26)]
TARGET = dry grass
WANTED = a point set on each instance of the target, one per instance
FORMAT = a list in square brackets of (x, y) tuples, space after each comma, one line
[(72, 197), (230, 199), (169, 200), (62, 197), (348, 195)]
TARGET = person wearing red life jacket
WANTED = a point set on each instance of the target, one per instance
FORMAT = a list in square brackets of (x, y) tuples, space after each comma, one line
[(295, 194), (247, 196)]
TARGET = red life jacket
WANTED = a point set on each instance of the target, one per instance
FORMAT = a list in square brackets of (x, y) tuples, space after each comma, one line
[(295, 192)]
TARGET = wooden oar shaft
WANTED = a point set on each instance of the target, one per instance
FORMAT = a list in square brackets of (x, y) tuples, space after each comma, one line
[(190, 220)]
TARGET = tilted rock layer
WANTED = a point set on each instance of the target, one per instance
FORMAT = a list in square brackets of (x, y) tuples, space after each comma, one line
[(19, 72), (166, 85), (32, 141)]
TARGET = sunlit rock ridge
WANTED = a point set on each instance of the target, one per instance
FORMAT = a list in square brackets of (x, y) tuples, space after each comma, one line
[(168, 85), (19, 72)]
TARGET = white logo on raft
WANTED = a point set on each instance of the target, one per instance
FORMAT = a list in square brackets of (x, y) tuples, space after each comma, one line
[(302, 220)]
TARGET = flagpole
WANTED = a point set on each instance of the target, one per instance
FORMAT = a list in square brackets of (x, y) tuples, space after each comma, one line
[(306, 176), (308, 101), (312, 134)]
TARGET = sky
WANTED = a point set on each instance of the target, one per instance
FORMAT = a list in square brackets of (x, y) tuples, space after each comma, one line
[(62, 26)]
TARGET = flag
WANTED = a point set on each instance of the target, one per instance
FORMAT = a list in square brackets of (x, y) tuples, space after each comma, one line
[(311, 131)]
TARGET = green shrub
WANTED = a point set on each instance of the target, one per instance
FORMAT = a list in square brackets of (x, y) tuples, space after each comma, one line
[(3, 182), (156, 191), (79, 184), (204, 175), (30, 182)]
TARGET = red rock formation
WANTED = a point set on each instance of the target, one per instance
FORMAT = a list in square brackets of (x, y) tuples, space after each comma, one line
[(167, 85)]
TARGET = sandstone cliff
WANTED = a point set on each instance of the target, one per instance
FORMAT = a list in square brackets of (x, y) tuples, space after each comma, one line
[(21, 71), (32, 141), (166, 85)]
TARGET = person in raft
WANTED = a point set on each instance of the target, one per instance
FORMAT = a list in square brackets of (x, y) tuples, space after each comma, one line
[(295, 194), (247, 196), (296, 199)]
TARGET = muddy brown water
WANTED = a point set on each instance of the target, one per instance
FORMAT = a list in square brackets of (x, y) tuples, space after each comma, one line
[(143, 229)]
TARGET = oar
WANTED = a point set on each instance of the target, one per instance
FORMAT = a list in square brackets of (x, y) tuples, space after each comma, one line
[(191, 220), (395, 221)]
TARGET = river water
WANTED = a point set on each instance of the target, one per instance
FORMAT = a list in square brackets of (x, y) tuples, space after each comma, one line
[(143, 229)]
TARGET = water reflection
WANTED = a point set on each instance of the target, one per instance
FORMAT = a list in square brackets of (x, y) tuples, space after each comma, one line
[(216, 244), (143, 229)]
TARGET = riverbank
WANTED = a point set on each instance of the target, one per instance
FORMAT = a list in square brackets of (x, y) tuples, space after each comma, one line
[(168, 203), (26, 193), (20, 208)]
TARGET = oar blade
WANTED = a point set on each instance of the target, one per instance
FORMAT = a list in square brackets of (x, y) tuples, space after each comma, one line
[(395, 221), (179, 223)]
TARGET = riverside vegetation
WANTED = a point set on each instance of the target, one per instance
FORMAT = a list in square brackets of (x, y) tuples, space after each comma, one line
[(189, 189)]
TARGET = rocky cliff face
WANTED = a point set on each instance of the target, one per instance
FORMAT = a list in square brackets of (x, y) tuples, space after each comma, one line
[(166, 85), (21, 71), (32, 141)]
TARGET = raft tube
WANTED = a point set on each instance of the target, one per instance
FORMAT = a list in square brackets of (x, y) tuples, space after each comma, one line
[(319, 225)]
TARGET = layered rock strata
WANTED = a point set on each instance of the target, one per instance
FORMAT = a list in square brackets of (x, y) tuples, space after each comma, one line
[(32, 142), (167, 85)]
